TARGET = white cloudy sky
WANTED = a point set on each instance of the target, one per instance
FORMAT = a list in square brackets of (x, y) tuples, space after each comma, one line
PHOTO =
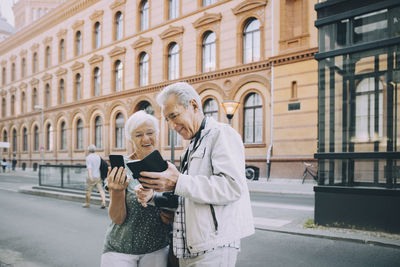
[(6, 10)]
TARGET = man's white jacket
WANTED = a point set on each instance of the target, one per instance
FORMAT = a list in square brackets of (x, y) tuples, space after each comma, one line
[(216, 197)]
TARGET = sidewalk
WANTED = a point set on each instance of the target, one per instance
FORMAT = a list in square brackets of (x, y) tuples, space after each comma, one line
[(271, 186)]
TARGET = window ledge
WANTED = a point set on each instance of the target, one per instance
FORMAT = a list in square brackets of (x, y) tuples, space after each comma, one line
[(254, 145)]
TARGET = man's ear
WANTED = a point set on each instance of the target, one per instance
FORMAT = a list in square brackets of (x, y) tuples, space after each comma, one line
[(193, 103)]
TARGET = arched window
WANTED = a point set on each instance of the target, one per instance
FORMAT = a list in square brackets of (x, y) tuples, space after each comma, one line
[(173, 9), (23, 68), (14, 140), (63, 136), (208, 2), (25, 140), (3, 107), (36, 138), (48, 137), (78, 86), (12, 105), (34, 63), (62, 50), (210, 108), (208, 50), (98, 132), (369, 110), (97, 35), (79, 134), (146, 106), (13, 72), (251, 41), (34, 98), (253, 119), (47, 96), (47, 59), (96, 81), (118, 76), (23, 102), (3, 76), (78, 43), (119, 131), (61, 92), (143, 69), (144, 15), (173, 61), (119, 25), (5, 139)]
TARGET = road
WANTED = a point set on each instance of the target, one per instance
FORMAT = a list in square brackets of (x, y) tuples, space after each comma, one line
[(45, 232)]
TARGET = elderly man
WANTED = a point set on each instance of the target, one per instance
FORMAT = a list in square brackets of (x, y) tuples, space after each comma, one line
[(214, 210)]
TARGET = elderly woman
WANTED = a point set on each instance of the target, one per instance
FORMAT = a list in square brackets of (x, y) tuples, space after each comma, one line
[(137, 236)]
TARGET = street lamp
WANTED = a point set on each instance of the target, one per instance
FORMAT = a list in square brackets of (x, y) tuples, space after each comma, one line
[(230, 107), (37, 107)]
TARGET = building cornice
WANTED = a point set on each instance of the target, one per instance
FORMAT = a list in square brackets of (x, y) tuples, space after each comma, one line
[(22, 85), (117, 51), (34, 81), (47, 40), (77, 65), (61, 33), (13, 89), (142, 41), (95, 59), (61, 72), (248, 5), (207, 18), (35, 47), (77, 24), (171, 31), (23, 52), (13, 58), (46, 77), (117, 3), (96, 14)]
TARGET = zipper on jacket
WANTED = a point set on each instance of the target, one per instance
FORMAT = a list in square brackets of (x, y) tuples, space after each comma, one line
[(214, 218)]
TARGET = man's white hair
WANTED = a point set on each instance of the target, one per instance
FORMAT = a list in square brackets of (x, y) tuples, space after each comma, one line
[(183, 91), (91, 148), (136, 120)]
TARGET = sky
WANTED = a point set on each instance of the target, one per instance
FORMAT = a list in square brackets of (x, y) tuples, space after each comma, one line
[(6, 11)]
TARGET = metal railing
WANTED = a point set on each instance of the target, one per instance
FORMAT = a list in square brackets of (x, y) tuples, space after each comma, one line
[(63, 176)]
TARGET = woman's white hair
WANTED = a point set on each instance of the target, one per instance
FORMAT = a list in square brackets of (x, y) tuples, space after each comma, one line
[(183, 91), (136, 120)]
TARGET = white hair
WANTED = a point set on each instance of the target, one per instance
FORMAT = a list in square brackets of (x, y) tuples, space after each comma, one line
[(183, 91), (91, 148), (136, 120)]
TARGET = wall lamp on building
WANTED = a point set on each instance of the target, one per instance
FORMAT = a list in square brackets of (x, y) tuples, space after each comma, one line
[(230, 107), (37, 107)]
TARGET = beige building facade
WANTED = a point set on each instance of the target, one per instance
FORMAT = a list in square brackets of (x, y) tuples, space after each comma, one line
[(87, 65)]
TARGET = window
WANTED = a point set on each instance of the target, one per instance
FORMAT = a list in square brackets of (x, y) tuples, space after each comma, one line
[(61, 92), (36, 138), (5, 139), (96, 81), (78, 86), (293, 91), (14, 140), (25, 140), (143, 69), (369, 118), (23, 102), (47, 100), (173, 61), (208, 2), (12, 105), (98, 132), (3, 107), (3, 76), (251, 41), (63, 136), (253, 119), (47, 58), (78, 43), (79, 134), (119, 131), (146, 106), (23, 68), (118, 76), (62, 50), (13, 72), (48, 137), (119, 26), (208, 50), (97, 35), (34, 63), (34, 98), (210, 108), (173, 9), (144, 15)]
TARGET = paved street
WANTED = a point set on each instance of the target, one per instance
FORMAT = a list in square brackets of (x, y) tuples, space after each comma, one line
[(39, 231)]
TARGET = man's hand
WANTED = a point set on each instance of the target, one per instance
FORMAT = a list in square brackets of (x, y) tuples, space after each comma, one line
[(117, 180), (161, 181), (144, 195)]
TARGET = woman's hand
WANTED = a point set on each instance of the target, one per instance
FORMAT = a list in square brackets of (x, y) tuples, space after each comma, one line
[(144, 195), (117, 179), (167, 216)]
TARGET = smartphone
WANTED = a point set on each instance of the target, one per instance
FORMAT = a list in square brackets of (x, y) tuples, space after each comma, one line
[(116, 161)]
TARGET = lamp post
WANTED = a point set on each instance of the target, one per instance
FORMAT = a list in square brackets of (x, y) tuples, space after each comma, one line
[(37, 107), (230, 107)]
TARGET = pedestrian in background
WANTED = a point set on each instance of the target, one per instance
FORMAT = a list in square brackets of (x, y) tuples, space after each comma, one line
[(214, 210), (14, 163), (137, 236), (4, 164), (93, 179)]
